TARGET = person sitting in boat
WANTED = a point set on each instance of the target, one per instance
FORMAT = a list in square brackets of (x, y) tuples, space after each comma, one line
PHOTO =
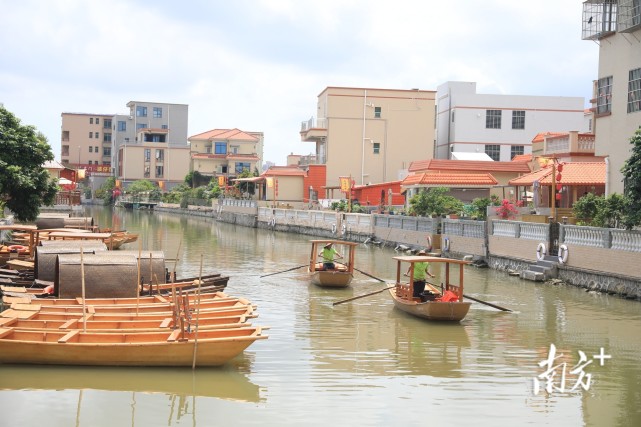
[(420, 274), (328, 254)]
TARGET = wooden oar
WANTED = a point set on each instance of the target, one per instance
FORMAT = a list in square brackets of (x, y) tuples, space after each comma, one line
[(478, 300), (367, 274), (487, 303), (363, 296), (284, 271)]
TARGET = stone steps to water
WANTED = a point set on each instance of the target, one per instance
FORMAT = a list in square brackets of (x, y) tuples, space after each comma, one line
[(544, 269)]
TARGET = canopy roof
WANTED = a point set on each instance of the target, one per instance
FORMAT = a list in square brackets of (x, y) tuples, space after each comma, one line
[(574, 173), (450, 179)]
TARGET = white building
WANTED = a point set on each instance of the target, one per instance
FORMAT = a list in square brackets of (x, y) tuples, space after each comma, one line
[(502, 126), (616, 27)]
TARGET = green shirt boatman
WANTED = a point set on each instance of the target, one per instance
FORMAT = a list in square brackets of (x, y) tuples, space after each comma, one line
[(328, 254)]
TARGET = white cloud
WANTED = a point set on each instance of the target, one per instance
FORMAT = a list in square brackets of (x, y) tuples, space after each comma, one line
[(259, 65)]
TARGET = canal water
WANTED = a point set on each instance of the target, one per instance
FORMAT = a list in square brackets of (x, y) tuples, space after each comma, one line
[(361, 363)]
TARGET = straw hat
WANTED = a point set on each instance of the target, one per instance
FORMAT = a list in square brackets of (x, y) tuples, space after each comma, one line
[(421, 252), (328, 245)]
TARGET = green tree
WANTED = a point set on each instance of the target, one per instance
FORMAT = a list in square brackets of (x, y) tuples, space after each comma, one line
[(24, 183), (193, 179), (480, 205), (105, 192), (435, 201), (586, 208), (611, 212), (632, 176)]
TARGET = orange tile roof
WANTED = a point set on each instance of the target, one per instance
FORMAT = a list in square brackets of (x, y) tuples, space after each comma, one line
[(574, 173), (283, 171), (540, 137), (229, 134), (467, 165), (522, 158), (451, 179)]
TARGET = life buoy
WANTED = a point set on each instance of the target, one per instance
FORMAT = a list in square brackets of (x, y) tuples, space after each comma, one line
[(541, 251), (343, 229), (563, 254), (49, 290), (333, 228), (17, 248), (446, 244)]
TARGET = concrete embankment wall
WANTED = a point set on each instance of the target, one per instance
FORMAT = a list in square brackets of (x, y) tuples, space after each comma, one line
[(601, 260)]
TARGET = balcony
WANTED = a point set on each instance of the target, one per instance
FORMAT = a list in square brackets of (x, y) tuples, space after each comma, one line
[(599, 18), (573, 142), (313, 130), (629, 15)]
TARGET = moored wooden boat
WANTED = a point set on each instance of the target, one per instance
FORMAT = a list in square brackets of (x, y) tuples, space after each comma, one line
[(444, 304), (143, 300), (341, 275), (203, 348), (139, 325), (134, 309)]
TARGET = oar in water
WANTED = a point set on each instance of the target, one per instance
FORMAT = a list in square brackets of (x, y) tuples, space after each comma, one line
[(284, 271), (487, 303), (367, 274), (363, 296), (478, 300)]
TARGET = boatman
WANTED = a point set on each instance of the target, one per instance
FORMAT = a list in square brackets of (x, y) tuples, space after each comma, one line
[(420, 274), (328, 254)]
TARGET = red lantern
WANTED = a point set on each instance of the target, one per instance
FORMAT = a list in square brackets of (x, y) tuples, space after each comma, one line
[(559, 187), (560, 167), (558, 196), (558, 177)]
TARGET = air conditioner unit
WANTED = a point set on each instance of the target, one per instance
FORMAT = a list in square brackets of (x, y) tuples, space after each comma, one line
[(131, 117)]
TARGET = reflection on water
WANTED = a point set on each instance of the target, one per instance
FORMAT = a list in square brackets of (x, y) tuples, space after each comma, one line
[(358, 363)]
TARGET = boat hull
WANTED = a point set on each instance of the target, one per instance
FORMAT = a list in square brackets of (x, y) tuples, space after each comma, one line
[(335, 279), (211, 348), (432, 310)]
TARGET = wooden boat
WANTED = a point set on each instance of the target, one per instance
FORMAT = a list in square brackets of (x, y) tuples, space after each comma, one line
[(119, 238), (437, 304), (143, 300), (134, 309), (247, 311), (138, 325), (203, 348), (19, 244), (338, 277), (207, 283)]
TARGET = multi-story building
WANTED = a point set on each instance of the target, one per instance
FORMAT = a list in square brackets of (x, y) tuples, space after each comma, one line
[(86, 141), (151, 143), (371, 135), (502, 126), (226, 152), (616, 27)]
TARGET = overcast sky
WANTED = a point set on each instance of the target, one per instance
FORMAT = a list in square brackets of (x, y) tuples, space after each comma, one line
[(259, 65)]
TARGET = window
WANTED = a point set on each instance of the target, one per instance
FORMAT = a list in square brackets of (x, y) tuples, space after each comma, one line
[(160, 155), (147, 154), (159, 171), (95, 149), (634, 91), (90, 134), (516, 150), (233, 149), (377, 147), (122, 126), (106, 151), (106, 124), (240, 167), (221, 148), (157, 112), (90, 120), (146, 171), (141, 126), (164, 127), (494, 151), (493, 119), (604, 96), (90, 149), (452, 116), (518, 119), (106, 137), (97, 135), (141, 111), (65, 135), (157, 138), (377, 112), (90, 162), (97, 120)]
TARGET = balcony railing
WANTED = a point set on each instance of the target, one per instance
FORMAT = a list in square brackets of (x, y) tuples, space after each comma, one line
[(599, 18), (313, 123)]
